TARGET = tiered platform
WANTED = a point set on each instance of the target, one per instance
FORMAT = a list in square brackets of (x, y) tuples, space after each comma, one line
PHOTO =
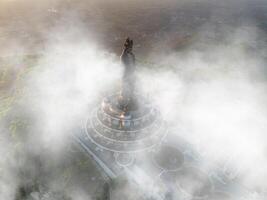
[(116, 130), (133, 143)]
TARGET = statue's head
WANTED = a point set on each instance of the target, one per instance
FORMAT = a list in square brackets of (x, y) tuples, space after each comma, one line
[(128, 44)]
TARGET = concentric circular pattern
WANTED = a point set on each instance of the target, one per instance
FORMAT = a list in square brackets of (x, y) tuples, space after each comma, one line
[(194, 183), (111, 106), (124, 159), (127, 122), (111, 115), (112, 129), (168, 158), (123, 135)]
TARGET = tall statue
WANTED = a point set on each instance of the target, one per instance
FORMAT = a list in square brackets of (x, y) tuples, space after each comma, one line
[(128, 80)]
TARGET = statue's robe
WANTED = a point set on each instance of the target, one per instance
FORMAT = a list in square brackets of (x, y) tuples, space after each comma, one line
[(128, 81)]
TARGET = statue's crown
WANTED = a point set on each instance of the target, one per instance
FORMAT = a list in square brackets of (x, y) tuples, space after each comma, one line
[(128, 43)]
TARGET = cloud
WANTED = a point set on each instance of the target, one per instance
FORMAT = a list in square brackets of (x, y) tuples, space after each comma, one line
[(212, 94), (70, 75)]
